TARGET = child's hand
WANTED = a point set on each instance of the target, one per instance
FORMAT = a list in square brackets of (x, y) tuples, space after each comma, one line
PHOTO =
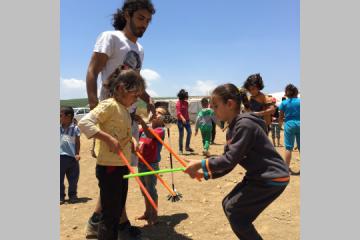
[(113, 144), (192, 169), (77, 157)]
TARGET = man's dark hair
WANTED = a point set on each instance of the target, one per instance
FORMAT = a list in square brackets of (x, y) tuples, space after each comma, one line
[(67, 110), (130, 6), (254, 80)]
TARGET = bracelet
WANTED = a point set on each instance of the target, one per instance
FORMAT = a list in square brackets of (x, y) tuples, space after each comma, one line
[(203, 166)]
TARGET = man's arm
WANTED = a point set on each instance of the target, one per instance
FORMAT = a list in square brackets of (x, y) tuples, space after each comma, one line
[(97, 63), (144, 126), (149, 102)]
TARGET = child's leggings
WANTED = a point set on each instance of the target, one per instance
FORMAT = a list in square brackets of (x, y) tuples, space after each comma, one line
[(245, 202), (113, 193), (206, 134)]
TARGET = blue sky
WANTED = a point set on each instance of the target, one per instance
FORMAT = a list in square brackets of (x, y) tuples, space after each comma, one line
[(192, 44)]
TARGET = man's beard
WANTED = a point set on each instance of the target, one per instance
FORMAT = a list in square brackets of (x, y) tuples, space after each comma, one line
[(135, 31)]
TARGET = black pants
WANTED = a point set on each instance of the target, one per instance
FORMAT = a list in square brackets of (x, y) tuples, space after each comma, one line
[(244, 204), (113, 193), (213, 132), (69, 167)]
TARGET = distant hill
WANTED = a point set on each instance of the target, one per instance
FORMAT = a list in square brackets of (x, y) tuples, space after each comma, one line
[(80, 102), (83, 102)]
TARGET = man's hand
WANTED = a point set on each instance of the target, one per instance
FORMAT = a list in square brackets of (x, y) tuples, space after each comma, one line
[(77, 157), (93, 102), (151, 108), (134, 145)]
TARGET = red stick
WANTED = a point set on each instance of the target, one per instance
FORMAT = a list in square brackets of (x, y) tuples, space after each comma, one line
[(157, 175), (121, 155)]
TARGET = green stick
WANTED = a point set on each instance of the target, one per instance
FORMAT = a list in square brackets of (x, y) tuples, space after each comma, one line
[(154, 172)]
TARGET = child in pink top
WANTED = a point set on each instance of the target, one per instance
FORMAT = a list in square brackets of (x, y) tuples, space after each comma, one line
[(183, 120)]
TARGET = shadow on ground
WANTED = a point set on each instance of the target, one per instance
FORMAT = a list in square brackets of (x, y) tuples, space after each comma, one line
[(79, 200), (165, 229)]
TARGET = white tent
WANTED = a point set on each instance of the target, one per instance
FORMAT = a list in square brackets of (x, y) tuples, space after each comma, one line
[(194, 106), (278, 96)]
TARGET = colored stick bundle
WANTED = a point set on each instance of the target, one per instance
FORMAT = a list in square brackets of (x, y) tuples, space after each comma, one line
[(154, 172)]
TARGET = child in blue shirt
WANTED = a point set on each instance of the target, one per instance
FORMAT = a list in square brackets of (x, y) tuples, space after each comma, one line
[(69, 154), (289, 110)]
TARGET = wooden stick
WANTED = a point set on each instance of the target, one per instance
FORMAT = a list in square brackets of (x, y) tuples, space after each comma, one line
[(121, 155), (158, 177), (168, 148)]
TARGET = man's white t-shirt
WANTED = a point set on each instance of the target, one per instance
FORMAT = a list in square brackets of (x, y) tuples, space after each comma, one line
[(121, 51)]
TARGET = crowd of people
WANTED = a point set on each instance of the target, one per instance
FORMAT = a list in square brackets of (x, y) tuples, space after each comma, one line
[(245, 112)]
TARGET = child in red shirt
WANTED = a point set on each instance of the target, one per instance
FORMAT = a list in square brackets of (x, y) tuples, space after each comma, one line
[(150, 149)]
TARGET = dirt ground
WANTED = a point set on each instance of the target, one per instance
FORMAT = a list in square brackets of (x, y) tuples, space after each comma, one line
[(199, 215)]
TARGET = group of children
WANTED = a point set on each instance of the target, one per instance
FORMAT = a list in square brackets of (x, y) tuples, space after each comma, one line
[(247, 144)]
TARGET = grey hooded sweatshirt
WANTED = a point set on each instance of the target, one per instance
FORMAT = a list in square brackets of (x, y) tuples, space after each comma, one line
[(249, 146)]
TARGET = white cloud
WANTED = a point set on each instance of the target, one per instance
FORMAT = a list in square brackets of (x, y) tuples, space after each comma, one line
[(152, 93), (149, 75), (72, 88), (202, 88)]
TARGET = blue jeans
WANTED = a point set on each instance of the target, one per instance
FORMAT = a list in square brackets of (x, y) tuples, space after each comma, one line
[(181, 134), (69, 167), (150, 180)]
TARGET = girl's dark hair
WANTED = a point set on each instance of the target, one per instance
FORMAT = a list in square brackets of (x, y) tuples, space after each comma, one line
[(130, 6), (183, 94), (254, 80), (291, 91), (67, 110), (230, 91), (130, 80)]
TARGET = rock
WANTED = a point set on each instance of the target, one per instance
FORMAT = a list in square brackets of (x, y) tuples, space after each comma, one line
[(75, 227), (235, 181), (218, 186)]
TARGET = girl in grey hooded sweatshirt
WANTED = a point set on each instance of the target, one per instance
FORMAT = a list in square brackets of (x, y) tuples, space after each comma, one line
[(248, 145)]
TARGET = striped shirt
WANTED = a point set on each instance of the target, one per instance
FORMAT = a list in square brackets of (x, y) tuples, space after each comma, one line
[(67, 139)]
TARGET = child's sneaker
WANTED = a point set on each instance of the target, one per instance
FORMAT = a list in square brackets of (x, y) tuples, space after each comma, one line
[(206, 153), (180, 152), (91, 229), (189, 149)]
